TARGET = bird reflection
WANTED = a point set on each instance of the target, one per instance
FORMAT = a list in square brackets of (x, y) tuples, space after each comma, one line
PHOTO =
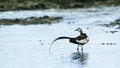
[(80, 57)]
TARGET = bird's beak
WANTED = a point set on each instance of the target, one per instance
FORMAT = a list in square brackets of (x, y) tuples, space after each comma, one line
[(75, 29), (78, 29)]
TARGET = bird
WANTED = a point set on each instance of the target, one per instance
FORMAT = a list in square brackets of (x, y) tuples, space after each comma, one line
[(80, 40)]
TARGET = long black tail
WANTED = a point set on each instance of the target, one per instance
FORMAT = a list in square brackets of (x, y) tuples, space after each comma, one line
[(56, 40)]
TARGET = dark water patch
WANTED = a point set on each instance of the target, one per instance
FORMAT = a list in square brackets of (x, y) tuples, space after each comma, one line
[(108, 43), (31, 20), (39, 40), (114, 31), (112, 24), (42, 43), (71, 22)]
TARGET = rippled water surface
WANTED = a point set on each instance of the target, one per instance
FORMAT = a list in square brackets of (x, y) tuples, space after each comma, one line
[(28, 46)]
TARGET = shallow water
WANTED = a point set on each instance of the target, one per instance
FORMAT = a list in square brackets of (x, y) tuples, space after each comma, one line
[(28, 46)]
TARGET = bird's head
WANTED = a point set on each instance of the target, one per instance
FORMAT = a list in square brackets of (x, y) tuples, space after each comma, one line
[(79, 30)]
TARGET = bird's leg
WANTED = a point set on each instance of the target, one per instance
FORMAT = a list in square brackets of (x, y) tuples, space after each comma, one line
[(78, 49), (82, 48)]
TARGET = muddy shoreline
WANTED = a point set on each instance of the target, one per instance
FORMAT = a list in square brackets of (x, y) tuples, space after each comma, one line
[(31, 20)]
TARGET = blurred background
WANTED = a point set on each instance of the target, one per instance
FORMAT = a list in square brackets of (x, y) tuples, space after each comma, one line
[(47, 4), (27, 28)]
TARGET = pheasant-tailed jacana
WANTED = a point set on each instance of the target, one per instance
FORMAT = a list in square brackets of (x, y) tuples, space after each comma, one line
[(79, 40)]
